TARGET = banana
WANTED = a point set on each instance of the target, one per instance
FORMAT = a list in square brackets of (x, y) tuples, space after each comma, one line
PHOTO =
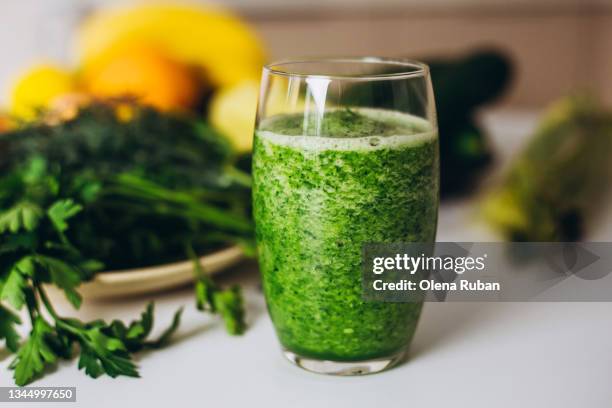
[(223, 48)]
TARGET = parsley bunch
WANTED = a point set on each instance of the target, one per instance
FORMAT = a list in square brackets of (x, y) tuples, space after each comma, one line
[(82, 196)]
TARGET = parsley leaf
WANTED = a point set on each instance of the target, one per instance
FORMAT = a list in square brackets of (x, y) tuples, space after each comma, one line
[(134, 336), (35, 354), (137, 331), (167, 334), (229, 305), (64, 275), (13, 288), (8, 320), (23, 216), (90, 363), (226, 302), (100, 353), (61, 211)]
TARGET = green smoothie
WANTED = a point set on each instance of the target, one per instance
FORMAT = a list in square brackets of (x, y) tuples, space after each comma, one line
[(369, 176)]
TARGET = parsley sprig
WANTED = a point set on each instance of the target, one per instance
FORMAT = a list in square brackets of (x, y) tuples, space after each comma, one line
[(48, 208)]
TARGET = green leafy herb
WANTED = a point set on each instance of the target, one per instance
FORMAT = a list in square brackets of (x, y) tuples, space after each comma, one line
[(23, 216), (94, 193), (127, 184), (35, 354), (8, 331), (61, 211), (227, 302)]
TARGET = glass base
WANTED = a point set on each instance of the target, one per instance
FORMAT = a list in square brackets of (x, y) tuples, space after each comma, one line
[(344, 368)]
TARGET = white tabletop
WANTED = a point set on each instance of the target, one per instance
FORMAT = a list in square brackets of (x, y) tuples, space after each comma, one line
[(464, 354)]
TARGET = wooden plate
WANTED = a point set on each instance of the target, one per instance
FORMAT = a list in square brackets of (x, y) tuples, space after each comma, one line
[(156, 278)]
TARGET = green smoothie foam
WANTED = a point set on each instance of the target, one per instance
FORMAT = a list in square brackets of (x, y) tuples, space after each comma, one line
[(369, 176)]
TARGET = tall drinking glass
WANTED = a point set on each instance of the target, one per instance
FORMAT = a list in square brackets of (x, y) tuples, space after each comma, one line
[(345, 153)]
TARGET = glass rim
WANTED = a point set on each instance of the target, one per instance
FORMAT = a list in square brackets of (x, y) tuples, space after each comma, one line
[(412, 68)]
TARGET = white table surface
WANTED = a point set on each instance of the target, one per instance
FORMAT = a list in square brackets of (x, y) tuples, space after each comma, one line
[(464, 354)]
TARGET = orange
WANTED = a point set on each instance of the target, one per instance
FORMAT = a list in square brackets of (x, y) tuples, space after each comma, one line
[(223, 48), (146, 74)]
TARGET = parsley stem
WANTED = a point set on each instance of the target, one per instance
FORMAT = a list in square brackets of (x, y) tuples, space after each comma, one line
[(239, 176), (31, 313), (47, 303)]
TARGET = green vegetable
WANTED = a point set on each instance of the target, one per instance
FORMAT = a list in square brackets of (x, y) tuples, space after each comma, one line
[(8, 321), (83, 195), (36, 253), (461, 87), (227, 302), (156, 176), (554, 187)]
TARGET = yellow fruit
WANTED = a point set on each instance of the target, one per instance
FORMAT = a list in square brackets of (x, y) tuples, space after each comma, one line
[(225, 50), (232, 112), (37, 88), (147, 75), (233, 109)]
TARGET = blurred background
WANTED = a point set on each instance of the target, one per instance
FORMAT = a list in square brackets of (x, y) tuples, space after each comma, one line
[(557, 45)]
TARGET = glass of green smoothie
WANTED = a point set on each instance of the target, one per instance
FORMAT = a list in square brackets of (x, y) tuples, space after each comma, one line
[(345, 153)]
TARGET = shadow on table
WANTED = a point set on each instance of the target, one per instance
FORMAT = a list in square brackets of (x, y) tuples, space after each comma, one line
[(447, 322)]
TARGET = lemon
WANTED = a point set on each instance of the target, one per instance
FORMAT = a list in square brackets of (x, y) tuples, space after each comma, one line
[(37, 88), (232, 112), (233, 109)]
